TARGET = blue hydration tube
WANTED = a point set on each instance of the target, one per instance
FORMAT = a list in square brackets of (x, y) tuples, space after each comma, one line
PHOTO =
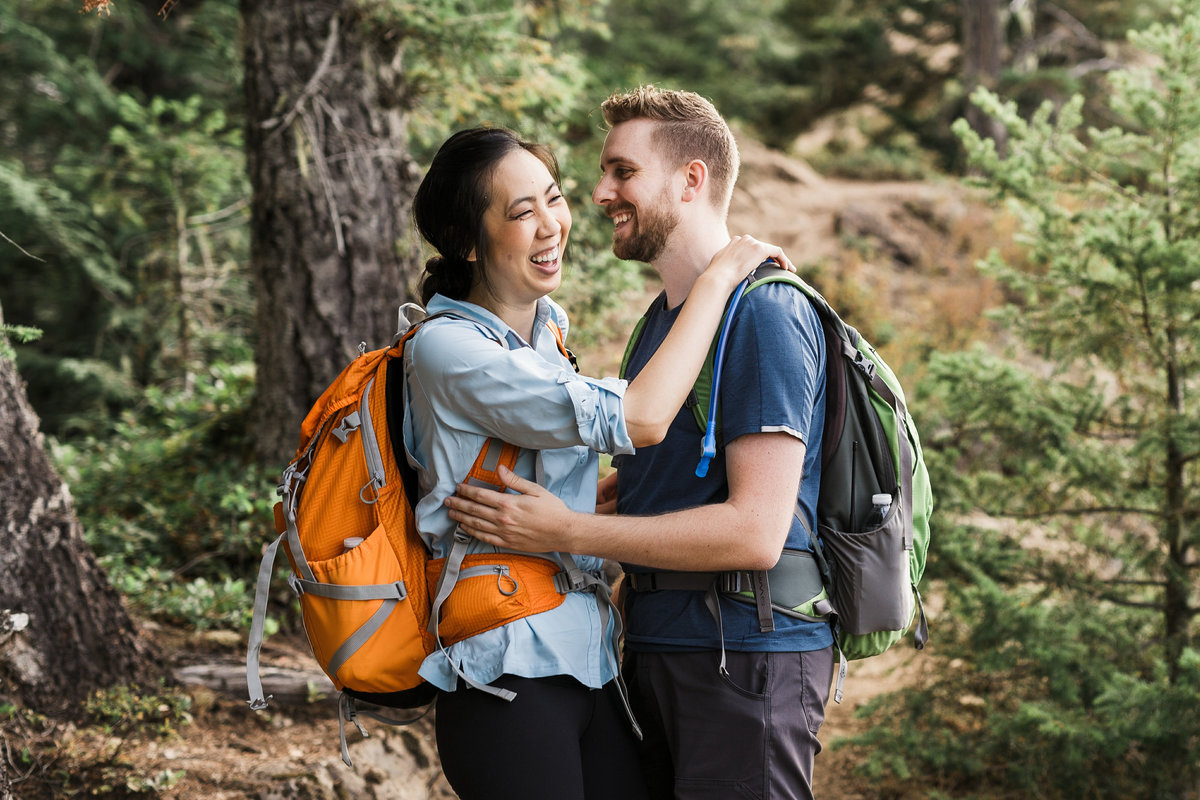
[(708, 444)]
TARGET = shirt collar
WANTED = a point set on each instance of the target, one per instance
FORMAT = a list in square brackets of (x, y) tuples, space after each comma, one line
[(480, 315)]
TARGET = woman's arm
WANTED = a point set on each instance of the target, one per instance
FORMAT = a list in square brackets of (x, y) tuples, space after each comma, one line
[(656, 395)]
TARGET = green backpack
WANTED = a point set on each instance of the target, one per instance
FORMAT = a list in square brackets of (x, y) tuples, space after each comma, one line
[(874, 504)]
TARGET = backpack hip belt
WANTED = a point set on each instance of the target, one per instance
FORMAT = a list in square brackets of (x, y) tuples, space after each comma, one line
[(794, 586)]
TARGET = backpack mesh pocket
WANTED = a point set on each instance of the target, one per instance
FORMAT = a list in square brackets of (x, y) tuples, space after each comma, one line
[(872, 587)]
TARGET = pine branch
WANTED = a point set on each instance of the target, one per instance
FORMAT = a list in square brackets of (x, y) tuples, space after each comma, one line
[(22, 249)]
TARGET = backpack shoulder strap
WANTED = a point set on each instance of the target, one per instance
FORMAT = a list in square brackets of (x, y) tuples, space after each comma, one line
[(704, 388), (562, 345), (635, 337)]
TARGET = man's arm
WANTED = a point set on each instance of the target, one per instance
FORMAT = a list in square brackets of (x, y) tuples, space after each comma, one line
[(747, 531)]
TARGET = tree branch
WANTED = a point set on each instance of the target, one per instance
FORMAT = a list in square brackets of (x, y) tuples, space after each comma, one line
[(22, 249)]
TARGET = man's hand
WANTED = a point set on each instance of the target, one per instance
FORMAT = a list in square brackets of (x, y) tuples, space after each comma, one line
[(534, 521), (606, 494)]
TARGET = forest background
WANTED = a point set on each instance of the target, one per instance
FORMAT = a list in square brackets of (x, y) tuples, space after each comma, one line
[(203, 209)]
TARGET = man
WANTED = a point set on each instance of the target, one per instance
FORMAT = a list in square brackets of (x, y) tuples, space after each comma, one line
[(729, 708)]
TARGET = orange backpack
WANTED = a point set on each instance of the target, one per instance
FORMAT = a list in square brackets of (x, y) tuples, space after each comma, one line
[(374, 604)]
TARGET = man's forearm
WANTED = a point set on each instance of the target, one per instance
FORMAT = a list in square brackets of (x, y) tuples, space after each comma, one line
[(712, 537), (746, 531)]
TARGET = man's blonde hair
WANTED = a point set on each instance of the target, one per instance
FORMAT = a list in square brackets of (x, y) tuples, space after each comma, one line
[(689, 128)]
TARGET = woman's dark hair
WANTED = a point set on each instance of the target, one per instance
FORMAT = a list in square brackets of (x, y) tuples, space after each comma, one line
[(451, 200)]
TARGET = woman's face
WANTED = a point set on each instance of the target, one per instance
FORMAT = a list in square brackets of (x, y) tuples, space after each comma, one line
[(527, 224)]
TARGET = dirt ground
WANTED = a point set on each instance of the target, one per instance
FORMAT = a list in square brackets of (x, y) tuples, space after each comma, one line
[(292, 752)]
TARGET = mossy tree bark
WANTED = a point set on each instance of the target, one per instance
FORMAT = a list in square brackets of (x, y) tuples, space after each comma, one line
[(64, 630), (332, 179)]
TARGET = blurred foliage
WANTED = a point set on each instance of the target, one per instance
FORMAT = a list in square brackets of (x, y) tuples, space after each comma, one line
[(169, 503), (866, 89), (121, 172), (1065, 456), (123, 710)]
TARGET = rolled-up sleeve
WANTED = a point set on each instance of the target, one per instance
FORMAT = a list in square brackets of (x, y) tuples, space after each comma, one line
[(599, 414)]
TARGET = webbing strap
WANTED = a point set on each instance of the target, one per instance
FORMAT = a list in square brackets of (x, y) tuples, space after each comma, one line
[(492, 455), (713, 601), (348, 710), (839, 689), (290, 497), (337, 591), (574, 579), (795, 580), (360, 636), (450, 574), (262, 590), (762, 600), (921, 634), (906, 451)]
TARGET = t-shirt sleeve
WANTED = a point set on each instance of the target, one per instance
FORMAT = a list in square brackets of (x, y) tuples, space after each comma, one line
[(775, 352)]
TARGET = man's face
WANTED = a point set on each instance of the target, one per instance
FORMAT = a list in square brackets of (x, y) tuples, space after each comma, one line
[(637, 191)]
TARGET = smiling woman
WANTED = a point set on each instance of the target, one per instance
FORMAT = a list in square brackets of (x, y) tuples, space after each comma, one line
[(526, 226), (542, 685)]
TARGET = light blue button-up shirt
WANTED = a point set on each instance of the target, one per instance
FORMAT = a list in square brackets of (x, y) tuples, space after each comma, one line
[(471, 377)]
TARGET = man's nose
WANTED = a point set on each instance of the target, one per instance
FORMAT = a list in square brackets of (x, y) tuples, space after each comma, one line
[(602, 194)]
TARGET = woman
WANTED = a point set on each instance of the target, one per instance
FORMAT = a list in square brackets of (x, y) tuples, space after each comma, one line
[(491, 367)]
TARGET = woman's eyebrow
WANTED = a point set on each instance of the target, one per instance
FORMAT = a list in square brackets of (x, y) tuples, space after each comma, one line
[(530, 198)]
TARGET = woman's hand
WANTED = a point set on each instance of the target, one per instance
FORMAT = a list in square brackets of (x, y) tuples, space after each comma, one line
[(743, 254), (606, 494)]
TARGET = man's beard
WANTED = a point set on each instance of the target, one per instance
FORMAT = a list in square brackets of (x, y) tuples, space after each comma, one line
[(646, 243)]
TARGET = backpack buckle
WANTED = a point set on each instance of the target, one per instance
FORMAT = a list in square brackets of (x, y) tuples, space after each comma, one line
[(348, 425), (729, 582), (571, 580), (865, 365)]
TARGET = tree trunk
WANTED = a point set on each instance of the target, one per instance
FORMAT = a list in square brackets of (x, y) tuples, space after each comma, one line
[(63, 629), (1177, 606), (331, 249), (983, 43)]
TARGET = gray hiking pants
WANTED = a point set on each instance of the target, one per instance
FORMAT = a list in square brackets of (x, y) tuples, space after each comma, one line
[(750, 735)]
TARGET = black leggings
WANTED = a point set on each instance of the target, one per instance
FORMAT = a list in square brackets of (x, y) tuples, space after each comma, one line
[(558, 739)]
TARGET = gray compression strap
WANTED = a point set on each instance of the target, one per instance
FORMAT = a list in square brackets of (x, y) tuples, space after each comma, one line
[(831, 612), (574, 579), (261, 591), (348, 710), (449, 576), (360, 636), (337, 591)]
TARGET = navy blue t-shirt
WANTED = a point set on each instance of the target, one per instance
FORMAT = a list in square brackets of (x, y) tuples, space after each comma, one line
[(774, 380)]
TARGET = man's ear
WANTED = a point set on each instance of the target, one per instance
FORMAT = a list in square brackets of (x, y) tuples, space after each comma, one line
[(695, 175)]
